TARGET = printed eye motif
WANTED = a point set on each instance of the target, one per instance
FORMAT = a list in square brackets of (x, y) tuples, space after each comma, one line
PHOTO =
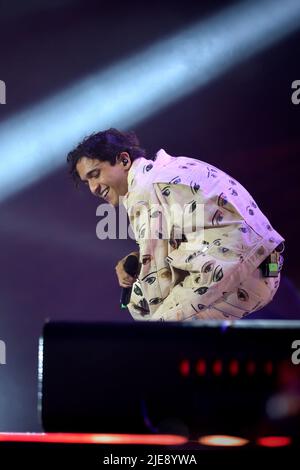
[(193, 206), (201, 290), (250, 211), (217, 242), (207, 267), (155, 214), (201, 307), (211, 172), (176, 242), (175, 180), (222, 200), (242, 295), (150, 279), (137, 290), (155, 301), (142, 232), (223, 249), (192, 256), (166, 191), (218, 274), (217, 218), (148, 167), (194, 187), (233, 192), (146, 259), (165, 274)]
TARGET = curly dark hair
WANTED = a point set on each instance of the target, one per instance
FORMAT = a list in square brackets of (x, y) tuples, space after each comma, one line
[(105, 146)]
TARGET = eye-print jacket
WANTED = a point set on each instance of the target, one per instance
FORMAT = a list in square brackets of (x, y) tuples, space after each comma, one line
[(200, 236)]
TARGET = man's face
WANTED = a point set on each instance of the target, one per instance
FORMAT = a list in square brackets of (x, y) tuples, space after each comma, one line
[(105, 180)]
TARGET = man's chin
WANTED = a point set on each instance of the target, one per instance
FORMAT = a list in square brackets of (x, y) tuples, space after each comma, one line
[(115, 202)]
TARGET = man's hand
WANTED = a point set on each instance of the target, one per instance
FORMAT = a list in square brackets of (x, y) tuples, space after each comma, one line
[(125, 280)]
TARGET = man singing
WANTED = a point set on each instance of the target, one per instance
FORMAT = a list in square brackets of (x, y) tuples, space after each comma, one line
[(224, 268)]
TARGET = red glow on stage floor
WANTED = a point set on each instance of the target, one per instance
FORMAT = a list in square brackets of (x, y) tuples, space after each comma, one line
[(274, 441), (268, 368), (217, 367), (234, 367), (70, 438), (201, 367), (184, 368), (251, 367)]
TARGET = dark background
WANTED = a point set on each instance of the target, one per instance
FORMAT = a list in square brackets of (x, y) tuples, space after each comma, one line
[(52, 265)]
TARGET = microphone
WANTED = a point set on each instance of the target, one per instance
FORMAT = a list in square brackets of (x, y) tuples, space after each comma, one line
[(131, 267)]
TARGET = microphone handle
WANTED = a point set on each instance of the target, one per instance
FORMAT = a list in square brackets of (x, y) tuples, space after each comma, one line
[(131, 266), (125, 296)]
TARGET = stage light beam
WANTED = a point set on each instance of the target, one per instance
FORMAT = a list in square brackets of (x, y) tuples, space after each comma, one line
[(35, 141)]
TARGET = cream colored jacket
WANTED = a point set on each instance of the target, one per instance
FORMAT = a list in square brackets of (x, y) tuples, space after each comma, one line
[(182, 275)]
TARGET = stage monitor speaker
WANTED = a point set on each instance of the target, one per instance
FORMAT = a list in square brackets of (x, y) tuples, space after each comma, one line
[(186, 378)]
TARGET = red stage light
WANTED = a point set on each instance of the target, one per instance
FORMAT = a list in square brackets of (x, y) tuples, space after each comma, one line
[(217, 367), (250, 367), (184, 367), (201, 367), (268, 368), (274, 441), (234, 367), (71, 438)]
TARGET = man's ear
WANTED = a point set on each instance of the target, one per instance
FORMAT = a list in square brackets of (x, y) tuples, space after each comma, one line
[(124, 159)]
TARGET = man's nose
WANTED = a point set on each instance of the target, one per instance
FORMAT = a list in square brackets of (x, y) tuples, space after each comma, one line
[(94, 187)]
